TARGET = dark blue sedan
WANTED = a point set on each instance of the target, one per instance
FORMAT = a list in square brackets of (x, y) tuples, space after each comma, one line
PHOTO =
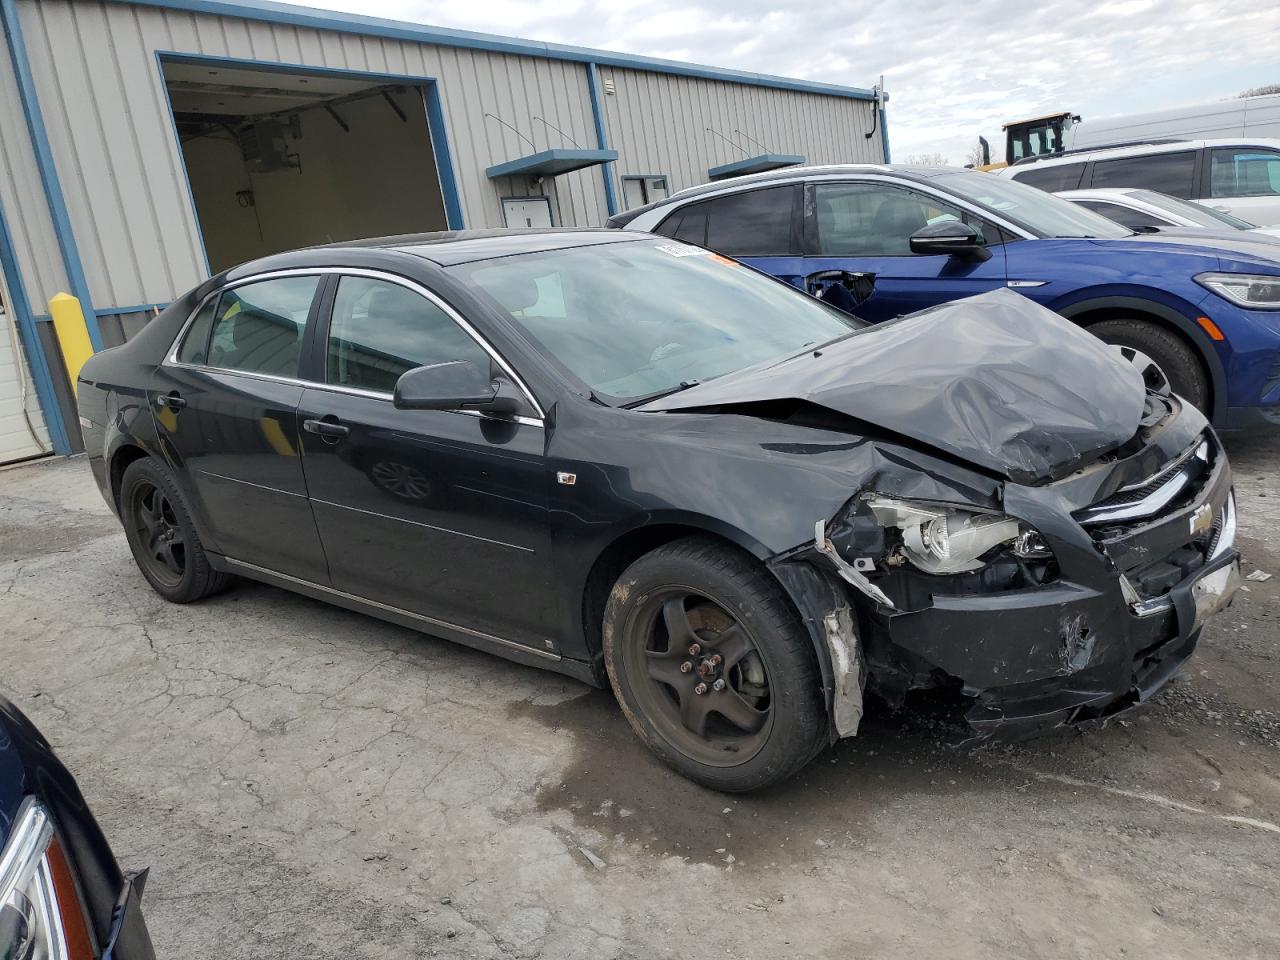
[(888, 241)]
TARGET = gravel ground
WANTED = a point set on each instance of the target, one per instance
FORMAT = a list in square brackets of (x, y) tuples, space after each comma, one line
[(306, 782)]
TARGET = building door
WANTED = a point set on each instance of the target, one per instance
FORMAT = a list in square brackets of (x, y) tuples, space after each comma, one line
[(527, 212), (22, 429)]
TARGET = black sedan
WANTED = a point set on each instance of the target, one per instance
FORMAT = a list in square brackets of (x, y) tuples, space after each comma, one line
[(62, 894), (640, 463)]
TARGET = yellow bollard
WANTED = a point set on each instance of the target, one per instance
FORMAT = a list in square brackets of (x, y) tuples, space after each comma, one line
[(73, 334)]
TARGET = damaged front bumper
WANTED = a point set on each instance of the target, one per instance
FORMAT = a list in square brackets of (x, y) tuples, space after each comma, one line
[(1134, 583)]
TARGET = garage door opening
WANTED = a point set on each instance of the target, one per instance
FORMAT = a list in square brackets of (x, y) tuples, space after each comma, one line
[(278, 160)]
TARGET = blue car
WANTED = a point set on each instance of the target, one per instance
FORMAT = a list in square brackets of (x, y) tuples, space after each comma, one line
[(884, 241), (62, 894)]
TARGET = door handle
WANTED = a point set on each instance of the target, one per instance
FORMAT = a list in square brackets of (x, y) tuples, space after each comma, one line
[(173, 400), (326, 429)]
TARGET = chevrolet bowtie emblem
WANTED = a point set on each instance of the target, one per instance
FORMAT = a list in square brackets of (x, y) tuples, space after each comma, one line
[(1202, 519)]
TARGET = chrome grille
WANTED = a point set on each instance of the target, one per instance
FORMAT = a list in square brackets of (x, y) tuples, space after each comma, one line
[(1152, 496)]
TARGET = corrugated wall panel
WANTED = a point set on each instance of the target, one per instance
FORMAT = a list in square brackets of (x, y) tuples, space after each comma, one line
[(21, 192), (659, 124), (107, 114)]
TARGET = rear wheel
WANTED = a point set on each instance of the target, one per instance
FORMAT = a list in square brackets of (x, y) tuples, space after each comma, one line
[(162, 536), (712, 667), (1181, 366)]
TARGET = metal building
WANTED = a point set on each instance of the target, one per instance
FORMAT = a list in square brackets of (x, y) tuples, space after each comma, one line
[(145, 144)]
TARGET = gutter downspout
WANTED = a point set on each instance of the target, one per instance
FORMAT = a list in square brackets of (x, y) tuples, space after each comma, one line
[(602, 137), (48, 171)]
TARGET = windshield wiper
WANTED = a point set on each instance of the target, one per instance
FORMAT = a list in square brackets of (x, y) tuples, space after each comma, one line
[(648, 398)]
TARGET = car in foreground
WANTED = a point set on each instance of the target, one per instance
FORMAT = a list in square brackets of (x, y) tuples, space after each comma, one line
[(1146, 211), (1241, 177), (887, 241), (648, 466), (62, 894)]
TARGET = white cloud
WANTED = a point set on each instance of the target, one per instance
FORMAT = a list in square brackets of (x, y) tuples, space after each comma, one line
[(953, 69)]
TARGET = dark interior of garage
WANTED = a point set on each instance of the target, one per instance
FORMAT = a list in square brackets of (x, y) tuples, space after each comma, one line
[(283, 160)]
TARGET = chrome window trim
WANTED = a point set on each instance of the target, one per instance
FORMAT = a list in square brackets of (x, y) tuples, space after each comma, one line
[(171, 360), (650, 219)]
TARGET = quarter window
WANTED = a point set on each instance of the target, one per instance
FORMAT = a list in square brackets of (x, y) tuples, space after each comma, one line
[(1244, 172), (1171, 173), (195, 346), (258, 327), (876, 219), (380, 329)]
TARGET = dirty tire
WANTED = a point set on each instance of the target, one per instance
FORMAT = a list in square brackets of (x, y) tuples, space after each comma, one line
[(178, 569), (718, 581), (1170, 352)]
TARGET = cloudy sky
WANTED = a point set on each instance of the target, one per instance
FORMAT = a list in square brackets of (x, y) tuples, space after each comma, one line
[(952, 69)]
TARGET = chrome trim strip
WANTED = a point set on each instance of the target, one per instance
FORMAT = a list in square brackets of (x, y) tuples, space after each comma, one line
[(1200, 450), (250, 483), (1148, 506), (30, 837), (251, 568), (427, 526), (1227, 535), (171, 360)]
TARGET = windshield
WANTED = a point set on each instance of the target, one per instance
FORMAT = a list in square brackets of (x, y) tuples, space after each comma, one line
[(1198, 214), (638, 319), (1042, 213)]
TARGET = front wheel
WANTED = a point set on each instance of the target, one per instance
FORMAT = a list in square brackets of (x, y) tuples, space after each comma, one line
[(712, 666), (1181, 367)]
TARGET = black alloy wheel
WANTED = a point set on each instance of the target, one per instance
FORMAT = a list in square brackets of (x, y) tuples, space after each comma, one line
[(713, 667)]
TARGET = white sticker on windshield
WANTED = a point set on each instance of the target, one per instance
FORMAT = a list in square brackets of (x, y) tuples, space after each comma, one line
[(683, 250)]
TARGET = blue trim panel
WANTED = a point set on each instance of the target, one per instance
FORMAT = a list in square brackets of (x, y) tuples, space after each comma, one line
[(602, 136), (765, 161), (430, 87), (444, 158), (48, 170), (41, 375), (282, 13), (550, 163)]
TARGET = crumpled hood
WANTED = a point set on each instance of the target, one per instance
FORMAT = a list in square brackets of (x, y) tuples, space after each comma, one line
[(995, 380)]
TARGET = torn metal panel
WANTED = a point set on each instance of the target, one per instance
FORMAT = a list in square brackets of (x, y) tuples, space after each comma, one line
[(847, 670)]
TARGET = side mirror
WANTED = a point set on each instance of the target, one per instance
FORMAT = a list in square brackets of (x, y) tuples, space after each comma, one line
[(453, 385), (953, 238)]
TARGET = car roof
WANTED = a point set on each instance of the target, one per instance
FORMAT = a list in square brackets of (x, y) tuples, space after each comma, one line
[(448, 248), (1084, 155)]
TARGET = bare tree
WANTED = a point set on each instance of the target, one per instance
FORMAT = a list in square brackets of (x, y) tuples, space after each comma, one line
[(974, 157), (925, 160), (1261, 91)]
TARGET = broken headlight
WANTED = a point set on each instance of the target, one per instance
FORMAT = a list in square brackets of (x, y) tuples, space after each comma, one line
[(938, 538), (40, 913)]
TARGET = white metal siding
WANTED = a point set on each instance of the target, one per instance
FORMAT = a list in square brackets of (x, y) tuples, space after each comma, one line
[(16, 441), (107, 114), (658, 124)]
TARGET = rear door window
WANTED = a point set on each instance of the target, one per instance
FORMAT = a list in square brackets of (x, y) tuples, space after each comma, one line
[(258, 327), (1244, 172), (1054, 177), (1171, 173), (760, 223)]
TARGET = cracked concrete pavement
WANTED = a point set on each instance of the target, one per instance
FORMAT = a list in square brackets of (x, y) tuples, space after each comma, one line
[(308, 782)]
